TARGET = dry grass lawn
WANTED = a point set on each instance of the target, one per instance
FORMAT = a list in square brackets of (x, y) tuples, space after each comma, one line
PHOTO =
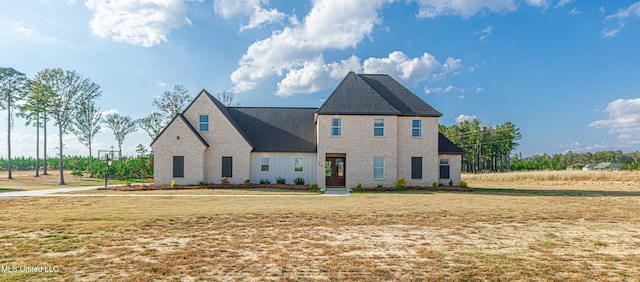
[(25, 180), (541, 232)]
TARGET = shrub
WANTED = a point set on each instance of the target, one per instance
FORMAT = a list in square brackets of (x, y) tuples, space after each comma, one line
[(434, 184), (463, 184), (281, 180), (359, 185), (450, 182), (173, 183), (265, 181), (312, 186), (128, 182), (379, 185), (299, 181), (247, 181), (224, 180), (401, 182), (201, 183), (76, 172)]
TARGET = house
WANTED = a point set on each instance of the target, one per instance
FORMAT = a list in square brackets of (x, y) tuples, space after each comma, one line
[(602, 166), (370, 130)]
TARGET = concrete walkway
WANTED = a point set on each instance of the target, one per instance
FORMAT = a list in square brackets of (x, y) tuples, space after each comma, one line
[(56, 193)]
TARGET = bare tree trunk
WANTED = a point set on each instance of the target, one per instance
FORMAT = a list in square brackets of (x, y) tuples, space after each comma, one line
[(44, 169), (90, 160), (9, 138), (61, 156), (37, 145)]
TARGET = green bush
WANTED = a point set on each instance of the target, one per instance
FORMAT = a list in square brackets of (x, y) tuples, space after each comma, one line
[(201, 183), (247, 181), (128, 183), (299, 181), (265, 181), (450, 182), (173, 183), (281, 180), (401, 182), (434, 184), (379, 185), (224, 180), (463, 183), (312, 186), (359, 185)]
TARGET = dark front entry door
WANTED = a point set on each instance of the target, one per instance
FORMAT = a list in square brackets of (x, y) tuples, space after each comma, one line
[(335, 171)]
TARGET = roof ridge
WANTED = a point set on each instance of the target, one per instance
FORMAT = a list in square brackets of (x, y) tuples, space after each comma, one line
[(223, 109)]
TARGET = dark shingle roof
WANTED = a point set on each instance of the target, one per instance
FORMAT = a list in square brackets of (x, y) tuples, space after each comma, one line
[(277, 129), (445, 146), (376, 94)]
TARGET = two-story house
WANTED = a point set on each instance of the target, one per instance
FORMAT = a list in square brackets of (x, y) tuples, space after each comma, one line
[(371, 130)]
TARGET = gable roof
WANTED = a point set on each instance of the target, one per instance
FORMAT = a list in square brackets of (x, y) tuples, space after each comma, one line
[(445, 146), (277, 129), (180, 117), (375, 94)]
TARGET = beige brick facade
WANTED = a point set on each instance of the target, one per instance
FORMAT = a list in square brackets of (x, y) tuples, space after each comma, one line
[(397, 146), (455, 168)]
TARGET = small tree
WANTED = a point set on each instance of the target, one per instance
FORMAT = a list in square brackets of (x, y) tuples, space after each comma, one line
[(172, 102), (121, 126), (86, 124), (227, 98), (152, 124), (13, 87)]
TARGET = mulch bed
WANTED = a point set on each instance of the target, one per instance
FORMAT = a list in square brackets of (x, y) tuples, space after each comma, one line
[(289, 187)]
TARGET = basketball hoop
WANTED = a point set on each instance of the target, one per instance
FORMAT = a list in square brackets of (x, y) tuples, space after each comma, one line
[(108, 156)]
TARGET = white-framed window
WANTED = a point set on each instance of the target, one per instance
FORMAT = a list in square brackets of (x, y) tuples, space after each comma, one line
[(264, 164), (203, 123), (378, 168), (298, 164), (378, 127), (444, 161), (416, 128), (336, 127)]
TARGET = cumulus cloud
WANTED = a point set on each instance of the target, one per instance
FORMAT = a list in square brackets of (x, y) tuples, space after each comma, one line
[(619, 19), (316, 75), (137, 22), (623, 121), (252, 8), (463, 117), (411, 70), (330, 25)]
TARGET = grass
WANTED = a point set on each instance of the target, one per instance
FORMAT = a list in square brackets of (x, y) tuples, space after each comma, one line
[(26, 180), (551, 233)]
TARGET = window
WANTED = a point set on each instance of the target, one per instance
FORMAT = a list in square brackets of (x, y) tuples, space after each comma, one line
[(336, 127), (227, 167), (444, 169), (204, 123), (178, 166), (378, 168), (264, 164), (298, 164), (378, 127), (416, 167), (416, 128)]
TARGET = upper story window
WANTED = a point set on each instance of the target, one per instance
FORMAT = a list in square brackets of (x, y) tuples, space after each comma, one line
[(203, 123), (264, 164), (416, 128), (336, 127), (378, 127)]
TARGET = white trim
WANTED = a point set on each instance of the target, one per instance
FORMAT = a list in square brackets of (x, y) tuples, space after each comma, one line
[(200, 122), (414, 128), (268, 165), (339, 127), (378, 127)]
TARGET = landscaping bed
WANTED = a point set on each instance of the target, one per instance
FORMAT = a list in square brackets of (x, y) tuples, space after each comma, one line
[(150, 187)]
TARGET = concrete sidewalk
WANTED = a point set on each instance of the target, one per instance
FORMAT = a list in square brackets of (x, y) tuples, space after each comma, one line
[(45, 192)]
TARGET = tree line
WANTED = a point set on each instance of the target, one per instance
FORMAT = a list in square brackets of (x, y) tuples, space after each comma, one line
[(571, 160), (68, 101), (486, 147)]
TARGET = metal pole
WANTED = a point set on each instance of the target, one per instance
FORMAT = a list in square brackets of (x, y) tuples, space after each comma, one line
[(106, 171)]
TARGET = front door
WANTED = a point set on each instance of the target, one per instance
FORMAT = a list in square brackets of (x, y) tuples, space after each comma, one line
[(335, 171)]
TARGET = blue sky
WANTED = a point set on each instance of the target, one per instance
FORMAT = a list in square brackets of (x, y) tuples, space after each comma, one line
[(566, 72)]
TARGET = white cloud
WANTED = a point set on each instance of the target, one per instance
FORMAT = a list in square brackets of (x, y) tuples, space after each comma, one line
[(619, 17), (562, 3), (20, 27), (137, 22), (330, 25), (538, 3), (410, 70), (162, 84), (428, 90), (574, 12), (623, 121), (479, 89), (448, 88), (316, 75), (485, 32), (252, 8), (464, 8), (463, 117)]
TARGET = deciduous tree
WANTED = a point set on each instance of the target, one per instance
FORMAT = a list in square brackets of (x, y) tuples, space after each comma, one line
[(13, 87), (172, 102), (121, 126), (87, 124)]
